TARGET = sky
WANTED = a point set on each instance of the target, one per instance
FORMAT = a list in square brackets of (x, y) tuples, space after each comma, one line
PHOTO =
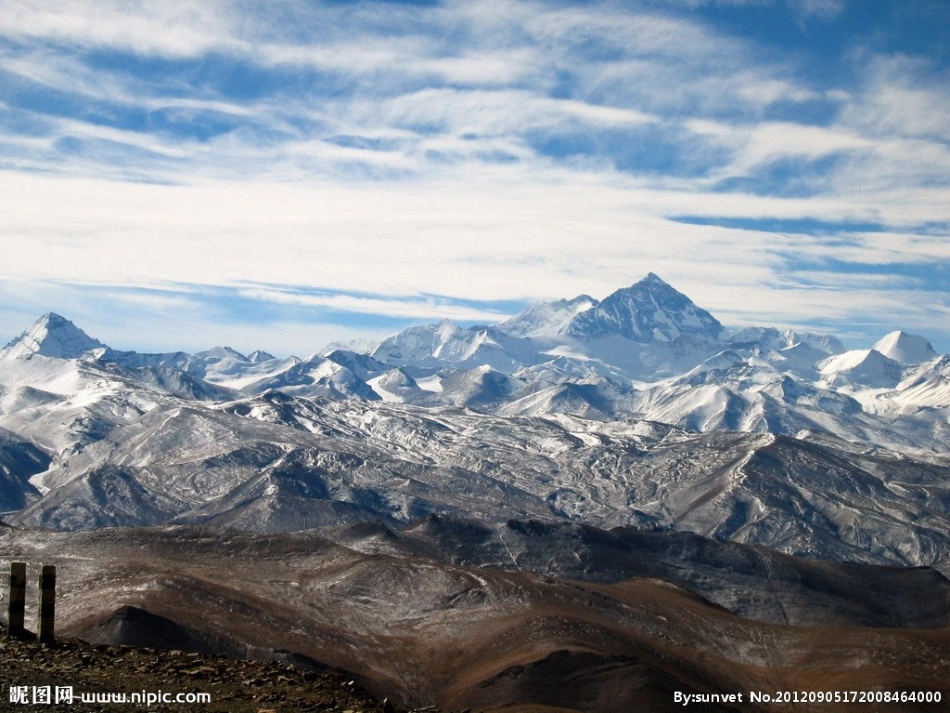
[(181, 175)]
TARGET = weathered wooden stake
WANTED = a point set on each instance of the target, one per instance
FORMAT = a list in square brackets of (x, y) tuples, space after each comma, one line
[(47, 611), (17, 606)]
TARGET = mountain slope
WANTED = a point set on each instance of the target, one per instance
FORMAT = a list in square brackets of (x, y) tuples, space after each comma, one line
[(19, 461), (279, 463)]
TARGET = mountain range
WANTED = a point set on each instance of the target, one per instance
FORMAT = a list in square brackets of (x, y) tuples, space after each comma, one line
[(589, 506), (638, 410), (644, 352)]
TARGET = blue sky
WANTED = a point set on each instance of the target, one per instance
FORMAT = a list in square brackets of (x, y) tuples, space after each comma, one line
[(281, 175)]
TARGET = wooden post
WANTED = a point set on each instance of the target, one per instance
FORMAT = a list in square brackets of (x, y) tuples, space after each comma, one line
[(17, 605), (47, 610)]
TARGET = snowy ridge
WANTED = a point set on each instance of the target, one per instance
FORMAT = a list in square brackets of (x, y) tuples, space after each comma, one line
[(278, 463), (546, 318)]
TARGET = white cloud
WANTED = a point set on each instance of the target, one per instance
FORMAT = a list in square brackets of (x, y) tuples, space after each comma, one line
[(496, 239), (902, 97), (418, 309), (823, 9), (502, 112), (181, 29), (759, 144)]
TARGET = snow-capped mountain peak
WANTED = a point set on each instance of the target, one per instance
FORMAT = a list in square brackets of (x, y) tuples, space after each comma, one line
[(905, 348), (218, 354), (546, 318), (53, 336), (867, 367), (649, 311)]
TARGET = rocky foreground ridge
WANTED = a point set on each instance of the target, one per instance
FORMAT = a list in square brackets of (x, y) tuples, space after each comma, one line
[(235, 686)]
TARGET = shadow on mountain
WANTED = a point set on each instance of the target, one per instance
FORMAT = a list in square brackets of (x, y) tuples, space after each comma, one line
[(581, 681), (134, 626)]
